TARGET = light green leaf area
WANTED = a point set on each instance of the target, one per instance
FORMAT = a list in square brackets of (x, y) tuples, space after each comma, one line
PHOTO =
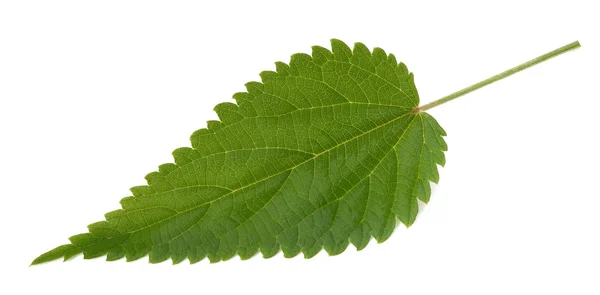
[(326, 151)]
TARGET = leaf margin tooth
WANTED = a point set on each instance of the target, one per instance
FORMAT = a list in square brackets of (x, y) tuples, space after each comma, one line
[(184, 155), (341, 51), (282, 68), (228, 112), (321, 55)]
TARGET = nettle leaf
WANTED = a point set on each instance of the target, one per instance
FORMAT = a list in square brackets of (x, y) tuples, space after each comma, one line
[(324, 152), (329, 150)]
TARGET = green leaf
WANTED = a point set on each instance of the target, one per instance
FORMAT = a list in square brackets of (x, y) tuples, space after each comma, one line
[(326, 151)]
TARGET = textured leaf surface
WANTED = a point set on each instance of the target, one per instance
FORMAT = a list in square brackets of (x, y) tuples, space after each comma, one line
[(324, 152)]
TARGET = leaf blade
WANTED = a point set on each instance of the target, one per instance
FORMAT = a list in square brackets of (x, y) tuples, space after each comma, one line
[(324, 152)]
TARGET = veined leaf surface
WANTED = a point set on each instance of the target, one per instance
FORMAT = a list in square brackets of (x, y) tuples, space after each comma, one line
[(324, 152)]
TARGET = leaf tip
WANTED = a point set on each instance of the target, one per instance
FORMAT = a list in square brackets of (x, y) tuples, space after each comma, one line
[(67, 251)]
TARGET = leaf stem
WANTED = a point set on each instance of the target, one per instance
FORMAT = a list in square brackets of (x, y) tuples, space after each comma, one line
[(500, 76)]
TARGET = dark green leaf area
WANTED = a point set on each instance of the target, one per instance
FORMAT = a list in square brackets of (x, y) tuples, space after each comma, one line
[(324, 152)]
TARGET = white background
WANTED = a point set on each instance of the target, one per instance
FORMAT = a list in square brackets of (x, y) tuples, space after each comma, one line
[(96, 94)]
